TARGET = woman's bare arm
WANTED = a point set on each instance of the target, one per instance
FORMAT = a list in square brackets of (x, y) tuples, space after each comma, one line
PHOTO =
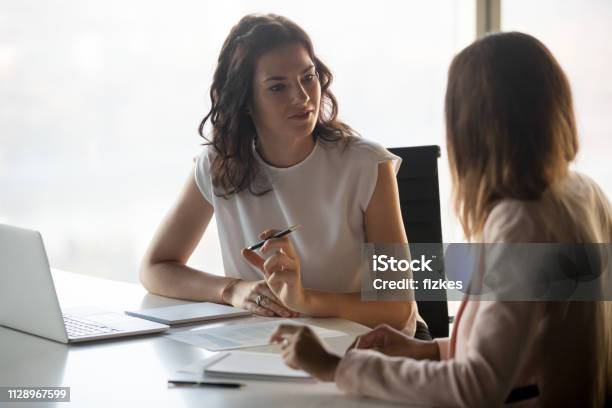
[(163, 270)]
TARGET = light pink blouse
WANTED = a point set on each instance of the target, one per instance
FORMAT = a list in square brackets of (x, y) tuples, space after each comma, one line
[(563, 347)]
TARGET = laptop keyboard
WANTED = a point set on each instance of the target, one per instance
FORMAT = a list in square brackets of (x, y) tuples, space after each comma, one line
[(77, 327)]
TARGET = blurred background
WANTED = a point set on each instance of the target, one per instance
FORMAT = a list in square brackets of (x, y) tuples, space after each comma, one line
[(100, 102)]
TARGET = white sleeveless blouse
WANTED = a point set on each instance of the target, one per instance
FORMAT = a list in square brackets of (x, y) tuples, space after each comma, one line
[(327, 193)]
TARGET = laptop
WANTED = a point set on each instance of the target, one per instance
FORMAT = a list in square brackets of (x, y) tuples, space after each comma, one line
[(29, 303)]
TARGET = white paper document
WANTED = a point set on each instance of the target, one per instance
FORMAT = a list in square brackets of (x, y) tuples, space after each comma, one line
[(237, 336), (256, 366), (243, 365)]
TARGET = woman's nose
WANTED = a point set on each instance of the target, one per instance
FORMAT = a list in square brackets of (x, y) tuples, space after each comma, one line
[(300, 96)]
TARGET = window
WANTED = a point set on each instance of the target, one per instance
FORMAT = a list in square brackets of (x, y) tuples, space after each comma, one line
[(577, 33), (101, 102)]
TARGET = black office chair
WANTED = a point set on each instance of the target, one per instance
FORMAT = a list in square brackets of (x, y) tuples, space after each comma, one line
[(420, 203)]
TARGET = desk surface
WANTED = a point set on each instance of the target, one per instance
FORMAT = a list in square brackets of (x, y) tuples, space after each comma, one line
[(136, 369)]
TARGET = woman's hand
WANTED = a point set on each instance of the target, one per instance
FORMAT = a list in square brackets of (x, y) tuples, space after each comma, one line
[(244, 295), (302, 349), (391, 342), (281, 270)]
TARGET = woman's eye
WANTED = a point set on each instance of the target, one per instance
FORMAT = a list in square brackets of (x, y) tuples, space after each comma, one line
[(310, 77), (277, 87)]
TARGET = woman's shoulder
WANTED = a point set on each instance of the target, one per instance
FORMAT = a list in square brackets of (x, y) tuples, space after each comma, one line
[(360, 145), (361, 150), (586, 189), (511, 220), (205, 158), (207, 151), (562, 213), (593, 208), (202, 173)]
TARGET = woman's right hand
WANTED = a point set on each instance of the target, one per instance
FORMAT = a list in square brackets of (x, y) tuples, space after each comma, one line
[(244, 295), (391, 342)]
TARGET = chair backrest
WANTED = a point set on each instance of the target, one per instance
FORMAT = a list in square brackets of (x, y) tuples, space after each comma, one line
[(419, 192)]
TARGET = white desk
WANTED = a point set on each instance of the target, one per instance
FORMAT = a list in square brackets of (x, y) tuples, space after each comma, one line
[(134, 371)]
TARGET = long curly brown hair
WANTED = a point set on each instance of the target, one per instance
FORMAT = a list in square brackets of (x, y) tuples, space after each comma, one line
[(233, 167)]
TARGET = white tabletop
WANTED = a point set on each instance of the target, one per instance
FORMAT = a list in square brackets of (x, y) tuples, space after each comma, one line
[(135, 371)]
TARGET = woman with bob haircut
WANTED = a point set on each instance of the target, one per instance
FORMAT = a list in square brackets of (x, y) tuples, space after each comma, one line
[(278, 156), (511, 136)]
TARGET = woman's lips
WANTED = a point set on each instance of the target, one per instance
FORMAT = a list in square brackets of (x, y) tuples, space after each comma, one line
[(302, 116)]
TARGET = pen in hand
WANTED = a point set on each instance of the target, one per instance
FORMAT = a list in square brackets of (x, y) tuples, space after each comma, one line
[(277, 235)]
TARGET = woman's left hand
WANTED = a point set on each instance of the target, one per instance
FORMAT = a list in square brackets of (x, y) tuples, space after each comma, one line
[(281, 270), (302, 349)]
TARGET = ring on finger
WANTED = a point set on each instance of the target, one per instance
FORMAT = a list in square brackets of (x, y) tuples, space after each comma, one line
[(258, 300), (285, 342)]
